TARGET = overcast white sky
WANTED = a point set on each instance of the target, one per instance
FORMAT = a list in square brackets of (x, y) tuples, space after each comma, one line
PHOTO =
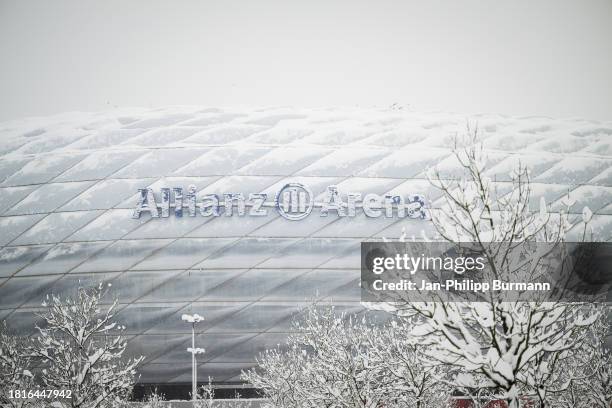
[(522, 57)]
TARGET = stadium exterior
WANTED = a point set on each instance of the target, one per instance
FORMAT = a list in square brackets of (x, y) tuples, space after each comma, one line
[(139, 198)]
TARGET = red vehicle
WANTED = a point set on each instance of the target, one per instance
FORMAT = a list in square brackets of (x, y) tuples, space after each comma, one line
[(465, 402)]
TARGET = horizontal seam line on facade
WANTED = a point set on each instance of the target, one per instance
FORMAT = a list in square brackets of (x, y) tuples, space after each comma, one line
[(353, 145), (362, 238), (215, 301), (417, 176), (219, 217)]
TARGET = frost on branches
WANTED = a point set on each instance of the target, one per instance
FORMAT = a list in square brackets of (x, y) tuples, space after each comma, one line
[(156, 400), (81, 349), (583, 377), (335, 360), (595, 383), (15, 366), (506, 347)]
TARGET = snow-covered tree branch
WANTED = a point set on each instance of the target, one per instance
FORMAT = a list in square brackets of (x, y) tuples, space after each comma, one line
[(499, 343), (583, 377), (398, 358), (15, 368), (81, 348), (335, 360)]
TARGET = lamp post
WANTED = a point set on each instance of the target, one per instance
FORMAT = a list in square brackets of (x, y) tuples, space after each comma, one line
[(193, 319)]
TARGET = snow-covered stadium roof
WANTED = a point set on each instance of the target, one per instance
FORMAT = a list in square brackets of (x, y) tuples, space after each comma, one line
[(68, 188)]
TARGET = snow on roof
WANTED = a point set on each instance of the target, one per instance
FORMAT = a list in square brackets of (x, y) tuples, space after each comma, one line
[(68, 183)]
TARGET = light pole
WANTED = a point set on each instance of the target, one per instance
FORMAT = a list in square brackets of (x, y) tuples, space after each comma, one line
[(193, 319)]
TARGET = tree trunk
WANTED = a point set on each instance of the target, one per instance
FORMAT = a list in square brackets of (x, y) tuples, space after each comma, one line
[(513, 402)]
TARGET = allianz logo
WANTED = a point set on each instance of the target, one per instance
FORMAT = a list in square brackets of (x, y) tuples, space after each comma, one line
[(294, 201)]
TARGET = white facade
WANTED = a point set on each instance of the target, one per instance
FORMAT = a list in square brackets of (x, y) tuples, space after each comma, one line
[(69, 186)]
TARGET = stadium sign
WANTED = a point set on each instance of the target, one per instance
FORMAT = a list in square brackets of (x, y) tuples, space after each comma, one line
[(294, 201)]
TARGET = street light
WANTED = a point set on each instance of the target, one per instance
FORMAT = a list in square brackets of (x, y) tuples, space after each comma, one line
[(193, 319)]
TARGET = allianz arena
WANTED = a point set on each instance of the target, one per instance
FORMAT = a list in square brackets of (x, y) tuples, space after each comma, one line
[(75, 210)]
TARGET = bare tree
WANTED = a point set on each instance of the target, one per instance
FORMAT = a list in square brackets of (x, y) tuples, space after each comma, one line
[(329, 362), (282, 376), (206, 398), (156, 400), (496, 340), (398, 358), (597, 383), (15, 366), (584, 376), (81, 348)]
